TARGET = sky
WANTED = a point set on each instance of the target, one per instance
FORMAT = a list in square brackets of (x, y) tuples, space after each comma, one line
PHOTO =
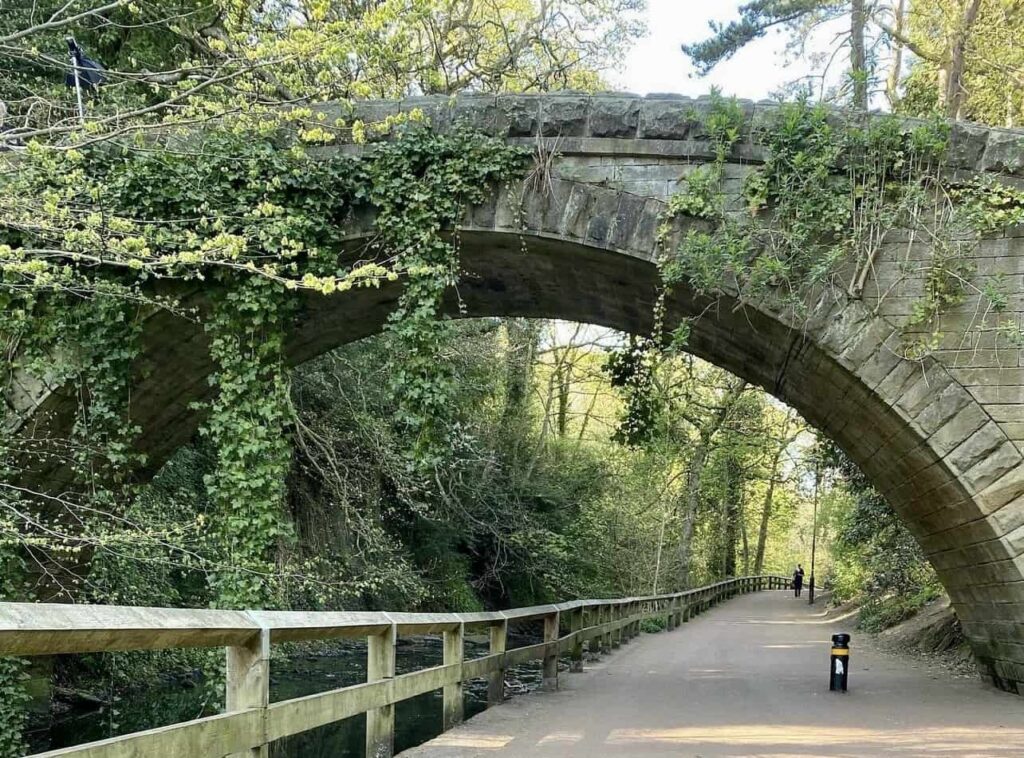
[(657, 64)]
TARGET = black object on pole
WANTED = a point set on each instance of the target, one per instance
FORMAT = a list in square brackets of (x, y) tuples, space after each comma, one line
[(839, 667), (85, 74)]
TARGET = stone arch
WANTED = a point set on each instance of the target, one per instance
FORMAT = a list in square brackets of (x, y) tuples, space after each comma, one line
[(584, 250)]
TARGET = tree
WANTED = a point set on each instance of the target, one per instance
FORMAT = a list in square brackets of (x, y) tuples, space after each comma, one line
[(800, 18), (969, 63), (707, 428), (189, 60), (789, 431), (966, 63)]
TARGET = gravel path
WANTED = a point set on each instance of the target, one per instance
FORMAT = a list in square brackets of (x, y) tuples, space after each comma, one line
[(749, 677)]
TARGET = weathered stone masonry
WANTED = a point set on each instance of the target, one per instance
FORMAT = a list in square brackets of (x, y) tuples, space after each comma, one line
[(941, 438)]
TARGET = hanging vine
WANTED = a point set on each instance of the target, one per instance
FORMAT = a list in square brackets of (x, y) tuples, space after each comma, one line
[(93, 241), (818, 212)]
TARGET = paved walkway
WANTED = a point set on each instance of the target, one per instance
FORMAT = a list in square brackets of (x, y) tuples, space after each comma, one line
[(750, 677)]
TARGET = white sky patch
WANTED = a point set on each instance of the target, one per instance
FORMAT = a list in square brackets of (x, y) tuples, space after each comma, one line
[(657, 64)]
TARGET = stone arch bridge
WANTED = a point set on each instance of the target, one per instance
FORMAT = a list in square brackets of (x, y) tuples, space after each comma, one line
[(941, 438)]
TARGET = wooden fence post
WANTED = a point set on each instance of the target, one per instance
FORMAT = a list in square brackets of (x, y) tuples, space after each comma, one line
[(607, 614), (248, 681), (594, 619), (380, 722), (550, 676), (496, 679), (576, 627), (454, 652)]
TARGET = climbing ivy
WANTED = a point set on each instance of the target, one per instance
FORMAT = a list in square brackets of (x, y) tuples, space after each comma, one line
[(631, 370), (819, 209), (226, 228), (420, 188), (12, 670)]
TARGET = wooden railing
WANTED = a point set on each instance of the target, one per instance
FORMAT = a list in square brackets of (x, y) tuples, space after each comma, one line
[(251, 722)]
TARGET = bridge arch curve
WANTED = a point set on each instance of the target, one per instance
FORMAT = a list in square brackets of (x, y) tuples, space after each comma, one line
[(584, 250)]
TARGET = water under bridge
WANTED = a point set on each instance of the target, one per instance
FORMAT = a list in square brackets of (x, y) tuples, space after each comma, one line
[(743, 669)]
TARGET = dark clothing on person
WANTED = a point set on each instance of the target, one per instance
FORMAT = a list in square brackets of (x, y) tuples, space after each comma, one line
[(798, 581)]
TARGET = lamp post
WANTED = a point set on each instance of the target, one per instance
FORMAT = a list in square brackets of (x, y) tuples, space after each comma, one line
[(814, 526)]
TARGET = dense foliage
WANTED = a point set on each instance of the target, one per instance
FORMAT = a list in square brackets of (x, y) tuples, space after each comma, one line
[(440, 465), (876, 560)]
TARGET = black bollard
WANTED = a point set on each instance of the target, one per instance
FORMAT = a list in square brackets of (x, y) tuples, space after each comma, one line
[(840, 665)]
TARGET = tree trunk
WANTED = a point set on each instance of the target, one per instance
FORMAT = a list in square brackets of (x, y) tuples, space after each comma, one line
[(766, 509), (892, 83), (766, 514), (563, 379), (745, 538), (694, 473), (522, 350), (733, 509), (955, 93), (858, 58)]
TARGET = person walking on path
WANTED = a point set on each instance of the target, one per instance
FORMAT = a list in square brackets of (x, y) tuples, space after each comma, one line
[(798, 579)]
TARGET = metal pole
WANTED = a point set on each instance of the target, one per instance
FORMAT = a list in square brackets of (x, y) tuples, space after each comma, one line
[(814, 528), (75, 72)]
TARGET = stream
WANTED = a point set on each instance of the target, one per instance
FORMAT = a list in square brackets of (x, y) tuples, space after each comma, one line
[(416, 720)]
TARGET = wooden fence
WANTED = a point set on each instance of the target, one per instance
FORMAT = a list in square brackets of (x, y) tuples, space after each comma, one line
[(251, 722)]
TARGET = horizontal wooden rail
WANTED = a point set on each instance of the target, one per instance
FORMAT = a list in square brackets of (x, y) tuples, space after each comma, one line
[(251, 722)]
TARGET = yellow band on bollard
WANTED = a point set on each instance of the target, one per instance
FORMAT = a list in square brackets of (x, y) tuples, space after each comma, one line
[(840, 651)]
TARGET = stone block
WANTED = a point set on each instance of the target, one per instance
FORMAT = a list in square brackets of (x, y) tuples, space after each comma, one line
[(1007, 519), (999, 394), (865, 344), (643, 240), (889, 388), (522, 113), (942, 407), (880, 364), (1004, 153), (602, 215), (564, 116), (614, 117), (983, 443), (627, 217), (576, 216), (988, 471), (1013, 412), (965, 423), (1014, 541), (507, 211), (666, 119), (967, 144), (481, 113), (438, 111), (929, 384), (482, 216), (1005, 490), (843, 330), (556, 194), (704, 107)]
